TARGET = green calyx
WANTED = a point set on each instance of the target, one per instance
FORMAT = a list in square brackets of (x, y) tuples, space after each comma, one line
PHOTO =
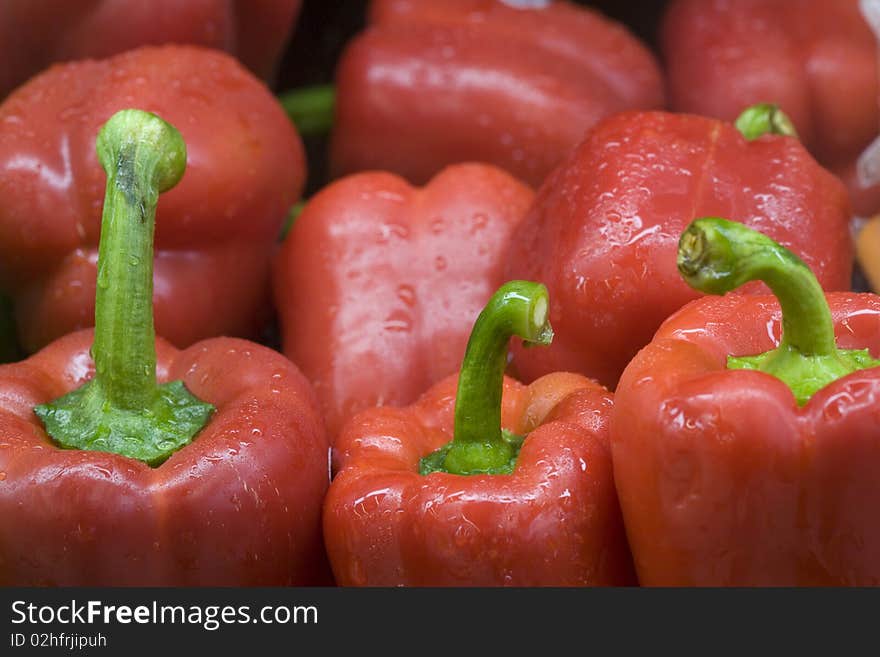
[(83, 419), (122, 409), (475, 458), (716, 256), (805, 375), (480, 445), (764, 119), (310, 108)]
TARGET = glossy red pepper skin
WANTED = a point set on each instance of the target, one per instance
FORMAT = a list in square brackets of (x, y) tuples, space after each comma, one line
[(603, 232), (37, 33), (378, 282), (554, 521), (816, 59), (215, 232), (435, 82), (723, 479), (239, 506)]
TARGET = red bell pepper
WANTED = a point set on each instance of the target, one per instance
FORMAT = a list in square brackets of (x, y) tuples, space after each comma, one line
[(386, 278), (435, 82), (743, 457), (816, 59), (603, 231), (216, 476), (217, 230), (490, 507), (37, 33)]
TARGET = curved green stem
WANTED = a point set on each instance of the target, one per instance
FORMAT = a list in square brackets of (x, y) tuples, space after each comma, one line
[(716, 256), (310, 108), (479, 445), (122, 409), (764, 119)]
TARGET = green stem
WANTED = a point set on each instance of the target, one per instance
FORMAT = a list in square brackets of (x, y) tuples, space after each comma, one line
[(764, 119), (716, 256), (122, 409), (479, 445), (310, 108), (142, 157)]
